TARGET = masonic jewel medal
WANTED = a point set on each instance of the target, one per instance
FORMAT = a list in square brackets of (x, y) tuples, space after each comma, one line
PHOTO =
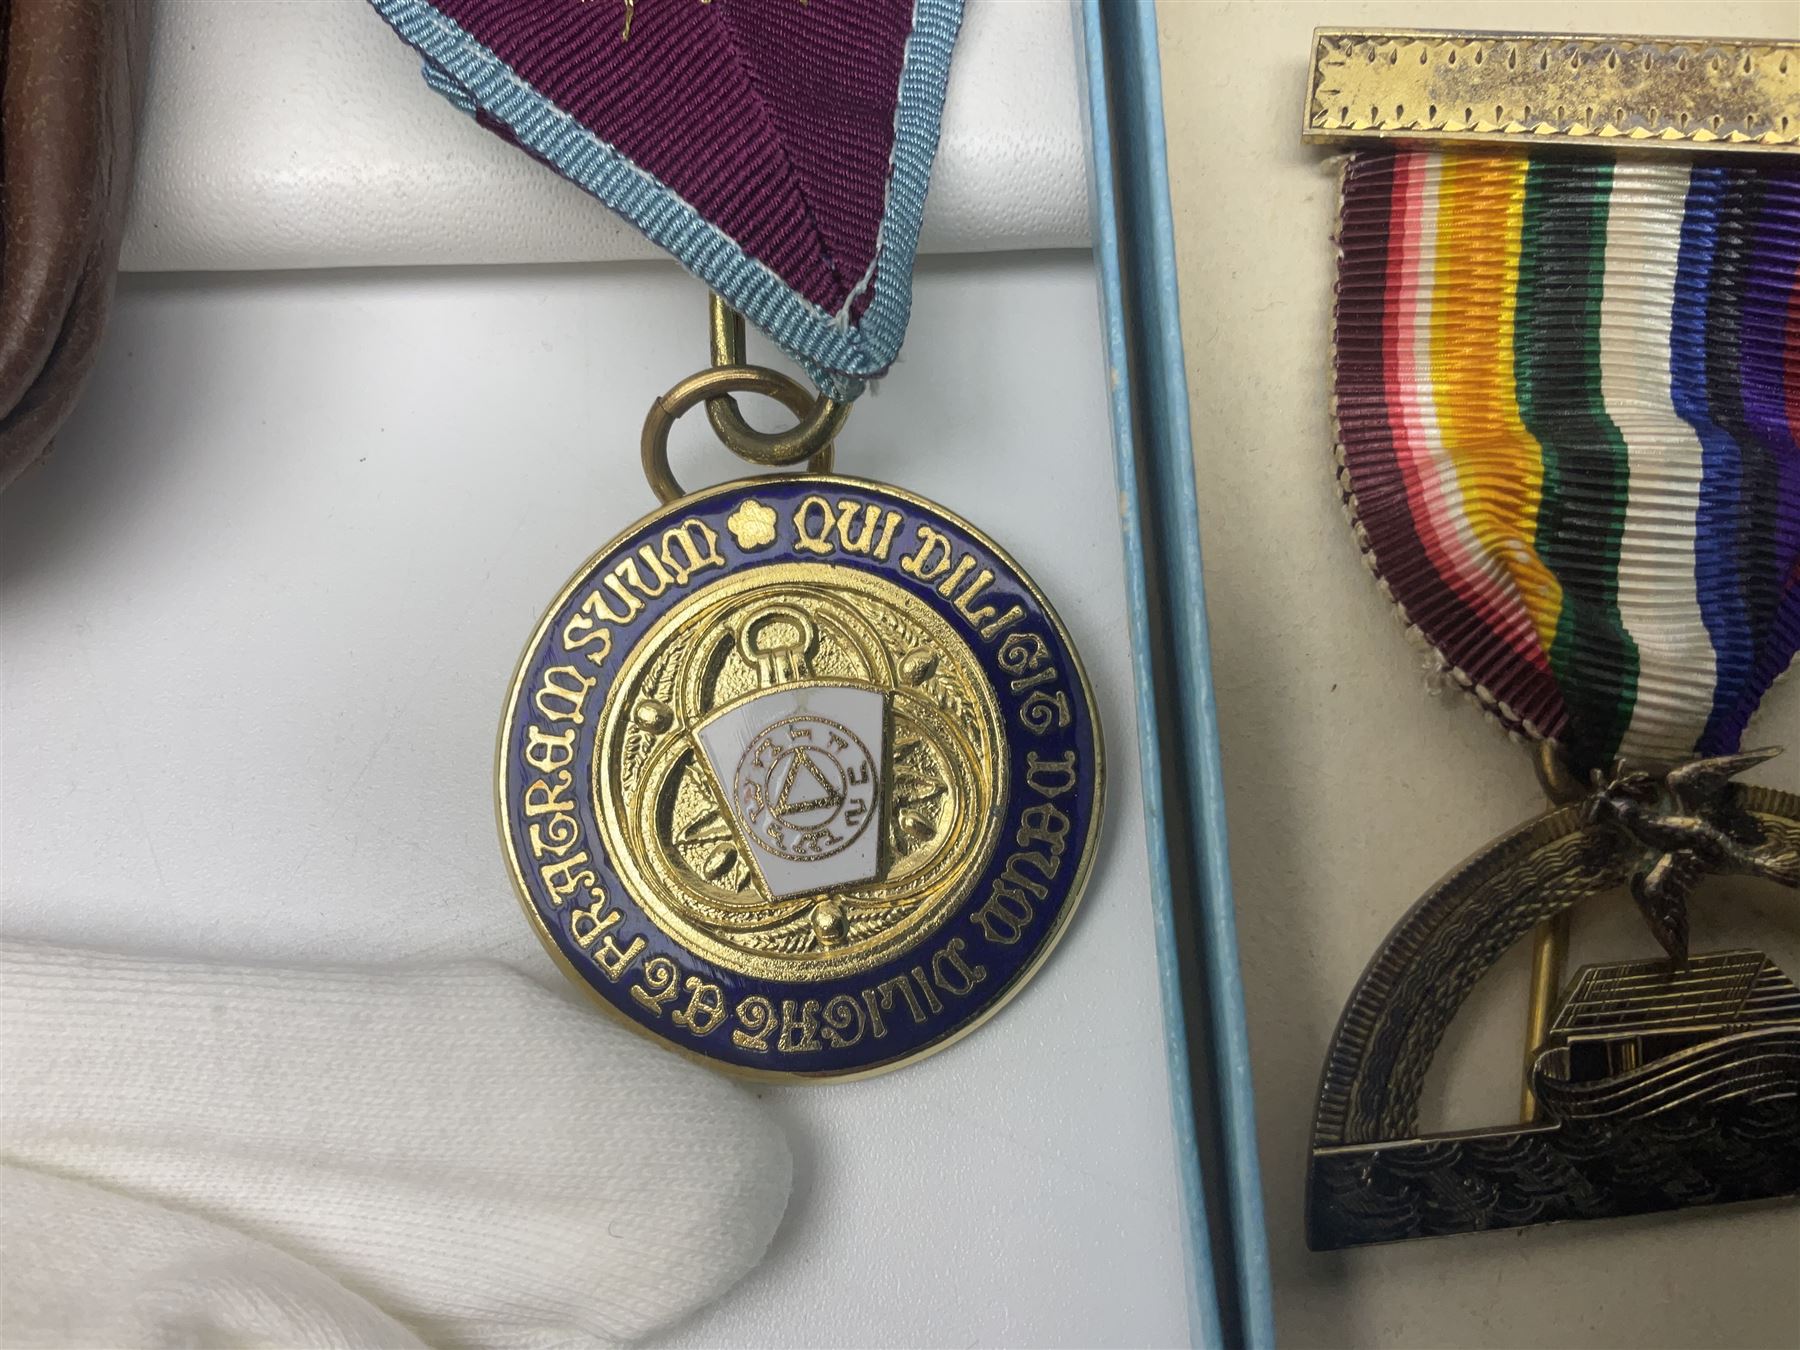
[(800, 773)]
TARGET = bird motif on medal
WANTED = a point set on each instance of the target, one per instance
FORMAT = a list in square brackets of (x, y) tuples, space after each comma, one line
[(1686, 827)]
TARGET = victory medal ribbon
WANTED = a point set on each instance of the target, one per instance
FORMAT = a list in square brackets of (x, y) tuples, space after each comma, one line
[(1567, 399)]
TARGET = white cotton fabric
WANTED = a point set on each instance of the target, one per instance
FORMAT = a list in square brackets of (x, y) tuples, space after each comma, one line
[(200, 1154)]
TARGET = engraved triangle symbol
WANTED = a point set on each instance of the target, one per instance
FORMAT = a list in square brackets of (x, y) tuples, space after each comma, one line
[(814, 782)]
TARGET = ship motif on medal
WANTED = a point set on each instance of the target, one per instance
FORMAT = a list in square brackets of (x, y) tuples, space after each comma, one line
[(1658, 1084), (801, 773)]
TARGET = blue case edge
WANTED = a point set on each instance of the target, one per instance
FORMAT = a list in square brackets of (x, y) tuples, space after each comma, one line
[(1143, 201)]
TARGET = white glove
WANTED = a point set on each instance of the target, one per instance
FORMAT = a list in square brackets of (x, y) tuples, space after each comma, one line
[(201, 1154)]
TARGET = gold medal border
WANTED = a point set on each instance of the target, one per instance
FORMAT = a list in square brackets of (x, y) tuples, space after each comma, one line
[(1078, 882)]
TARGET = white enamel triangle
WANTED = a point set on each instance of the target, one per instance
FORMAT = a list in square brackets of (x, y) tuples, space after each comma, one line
[(800, 767)]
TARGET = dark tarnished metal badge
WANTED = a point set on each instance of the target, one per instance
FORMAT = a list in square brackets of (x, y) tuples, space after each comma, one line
[(1657, 1085), (802, 775)]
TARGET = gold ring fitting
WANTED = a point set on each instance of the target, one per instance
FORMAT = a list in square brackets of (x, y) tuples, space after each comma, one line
[(714, 383), (820, 420)]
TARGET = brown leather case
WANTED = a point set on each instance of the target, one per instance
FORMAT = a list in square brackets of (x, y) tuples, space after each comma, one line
[(71, 72)]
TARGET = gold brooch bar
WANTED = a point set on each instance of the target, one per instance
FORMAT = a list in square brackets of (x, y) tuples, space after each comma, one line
[(1532, 89)]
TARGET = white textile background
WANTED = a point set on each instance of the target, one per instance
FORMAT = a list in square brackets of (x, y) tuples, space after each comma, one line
[(203, 1154)]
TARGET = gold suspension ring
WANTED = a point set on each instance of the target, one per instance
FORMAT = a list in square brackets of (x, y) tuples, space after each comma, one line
[(714, 384), (821, 418)]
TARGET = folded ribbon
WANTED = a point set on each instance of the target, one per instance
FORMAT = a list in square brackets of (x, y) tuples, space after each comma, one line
[(781, 152)]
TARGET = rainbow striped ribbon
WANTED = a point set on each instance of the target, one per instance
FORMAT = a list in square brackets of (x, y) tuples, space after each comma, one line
[(1567, 398)]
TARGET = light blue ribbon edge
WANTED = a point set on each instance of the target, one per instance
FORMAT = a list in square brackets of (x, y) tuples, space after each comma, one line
[(838, 356)]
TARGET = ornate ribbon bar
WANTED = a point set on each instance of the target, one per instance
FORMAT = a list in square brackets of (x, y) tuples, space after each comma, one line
[(1536, 89)]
